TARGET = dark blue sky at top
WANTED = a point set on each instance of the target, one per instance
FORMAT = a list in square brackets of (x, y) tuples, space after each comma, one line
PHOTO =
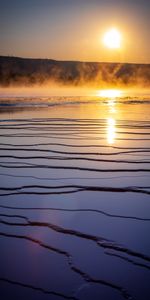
[(14, 7), (24, 22)]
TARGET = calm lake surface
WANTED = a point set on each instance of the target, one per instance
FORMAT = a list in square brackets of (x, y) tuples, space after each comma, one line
[(75, 198)]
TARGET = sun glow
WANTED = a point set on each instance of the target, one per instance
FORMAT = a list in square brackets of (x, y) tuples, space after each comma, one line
[(112, 39), (109, 93)]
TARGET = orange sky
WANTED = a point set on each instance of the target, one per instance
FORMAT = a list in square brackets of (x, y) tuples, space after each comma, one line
[(73, 30)]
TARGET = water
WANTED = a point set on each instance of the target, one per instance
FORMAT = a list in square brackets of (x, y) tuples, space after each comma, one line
[(75, 198)]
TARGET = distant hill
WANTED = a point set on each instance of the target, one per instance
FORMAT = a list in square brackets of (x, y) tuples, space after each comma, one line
[(26, 71)]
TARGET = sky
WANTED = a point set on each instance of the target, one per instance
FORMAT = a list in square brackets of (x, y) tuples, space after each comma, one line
[(74, 29)]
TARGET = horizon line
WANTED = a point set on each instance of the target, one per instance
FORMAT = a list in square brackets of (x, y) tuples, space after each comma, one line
[(72, 60)]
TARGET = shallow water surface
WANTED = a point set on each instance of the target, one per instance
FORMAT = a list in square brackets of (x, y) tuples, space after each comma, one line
[(75, 198)]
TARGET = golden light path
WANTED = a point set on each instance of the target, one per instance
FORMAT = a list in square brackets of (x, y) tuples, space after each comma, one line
[(112, 39), (111, 130), (111, 95)]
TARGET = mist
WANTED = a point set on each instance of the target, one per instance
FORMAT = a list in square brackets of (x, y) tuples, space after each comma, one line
[(19, 76)]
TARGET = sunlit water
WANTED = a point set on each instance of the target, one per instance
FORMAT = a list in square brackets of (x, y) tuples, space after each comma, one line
[(75, 197)]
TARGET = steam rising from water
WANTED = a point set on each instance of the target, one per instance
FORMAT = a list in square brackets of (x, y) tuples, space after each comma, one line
[(49, 77)]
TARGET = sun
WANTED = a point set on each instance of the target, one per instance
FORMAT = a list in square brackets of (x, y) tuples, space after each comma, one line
[(112, 39)]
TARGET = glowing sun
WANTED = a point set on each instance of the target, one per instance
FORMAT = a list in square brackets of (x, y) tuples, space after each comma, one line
[(112, 39)]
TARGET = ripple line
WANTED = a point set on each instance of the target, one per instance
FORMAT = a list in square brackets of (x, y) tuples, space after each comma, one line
[(76, 158), (84, 275), (35, 166), (75, 153), (35, 288), (74, 188), (75, 210), (100, 241)]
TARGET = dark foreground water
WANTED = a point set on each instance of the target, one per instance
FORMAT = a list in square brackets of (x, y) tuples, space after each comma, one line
[(75, 198)]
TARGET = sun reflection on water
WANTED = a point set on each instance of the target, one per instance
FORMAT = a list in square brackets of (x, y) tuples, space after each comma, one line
[(111, 130), (111, 95)]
